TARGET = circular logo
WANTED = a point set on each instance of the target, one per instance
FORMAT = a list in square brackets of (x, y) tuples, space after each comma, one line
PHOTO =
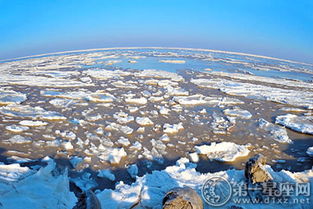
[(216, 191)]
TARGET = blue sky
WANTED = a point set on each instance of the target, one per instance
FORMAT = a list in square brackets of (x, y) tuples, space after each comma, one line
[(279, 28)]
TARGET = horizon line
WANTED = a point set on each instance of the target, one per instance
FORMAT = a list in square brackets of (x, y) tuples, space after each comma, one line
[(156, 47)]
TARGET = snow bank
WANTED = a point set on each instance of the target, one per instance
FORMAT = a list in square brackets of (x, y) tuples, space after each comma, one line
[(302, 124)]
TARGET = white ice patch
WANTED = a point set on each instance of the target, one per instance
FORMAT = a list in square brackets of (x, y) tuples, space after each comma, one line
[(132, 170), (239, 113), (173, 61), (26, 111), (172, 128), (61, 103), (41, 81), (13, 172), (199, 99), (224, 151), (276, 132), (159, 74), (118, 127), (123, 118), (32, 123), (123, 141), (16, 128), (11, 97), (113, 155), (18, 139), (103, 74), (137, 101), (277, 81), (310, 151), (302, 124), (260, 92), (144, 121)]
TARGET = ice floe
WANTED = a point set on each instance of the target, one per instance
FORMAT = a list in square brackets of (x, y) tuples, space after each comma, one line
[(144, 121), (11, 97), (302, 124), (16, 128), (310, 151), (276, 132), (150, 73), (224, 151), (26, 111), (172, 128), (237, 112), (261, 92), (173, 61)]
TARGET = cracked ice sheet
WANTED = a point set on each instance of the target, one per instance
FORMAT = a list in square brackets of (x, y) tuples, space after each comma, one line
[(26, 111), (278, 81), (103, 74), (21, 187), (97, 96), (302, 124), (159, 74), (260, 92), (41, 81), (11, 97), (199, 99), (277, 132), (224, 151), (151, 188)]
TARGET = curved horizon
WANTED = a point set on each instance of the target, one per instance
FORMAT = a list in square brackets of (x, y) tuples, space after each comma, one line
[(155, 47)]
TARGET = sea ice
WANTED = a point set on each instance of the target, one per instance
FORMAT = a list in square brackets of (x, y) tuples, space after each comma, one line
[(302, 124), (277, 132), (237, 112), (106, 174), (172, 128), (144, 121), (11, 97), (16, 128), (224, 151)]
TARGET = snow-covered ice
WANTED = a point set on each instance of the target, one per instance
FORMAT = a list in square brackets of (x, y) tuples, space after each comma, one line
[(302, 124)]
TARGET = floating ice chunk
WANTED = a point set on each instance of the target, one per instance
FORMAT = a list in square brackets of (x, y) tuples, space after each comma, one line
[(11, 97), (32, 123), (18, 139), (302, 124), (292, 109), (118, 127), (136, 146), (156, 99), (194, 157), (278, 81), (61, 103), (75, 161), (237, 112), (164, 110), (123, 141), (42, 189), (102, 74), (278, 133), (124, 84), (144, 121), (165, 138), (113, 155), (106, 174), (16, 128), (310, 151), (199, 99), (176, 91), (224, 151), (67, 145), (220, 125), (133, 109), (42, 81), (172, 129), (138, 101), (260, 92), (173, 61), (26, 111), (132, 170), (159, 74), (123, 117), (13, 172), (166, 83), (66, 134)]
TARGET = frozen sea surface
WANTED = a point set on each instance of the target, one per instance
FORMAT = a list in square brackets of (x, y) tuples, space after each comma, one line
[(111, 115)]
